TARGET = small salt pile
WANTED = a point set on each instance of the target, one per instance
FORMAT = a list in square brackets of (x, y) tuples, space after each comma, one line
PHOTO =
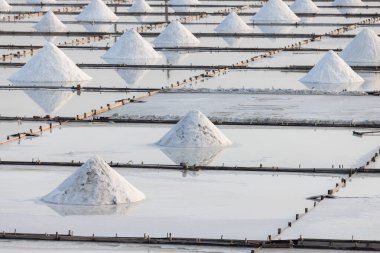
[(233, 24), (304, 6), (364, 49), (275, 11), (175, 35), (97, 11), (4, 6), (94, 183), (347, 3), (331, 69), (131, 46), (195, 130), (140, 6), (50, 64), (50, 23)]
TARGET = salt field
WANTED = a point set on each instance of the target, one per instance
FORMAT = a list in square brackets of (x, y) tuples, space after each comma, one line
[(189, 126)]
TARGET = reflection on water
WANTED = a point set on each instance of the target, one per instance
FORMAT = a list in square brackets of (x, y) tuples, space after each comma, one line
[(175, 57), (232, 41), (129, 75), (191, 156), (338, 87), (96, 27), (49, 100), (67, 210), (275, 28), (371, 82)]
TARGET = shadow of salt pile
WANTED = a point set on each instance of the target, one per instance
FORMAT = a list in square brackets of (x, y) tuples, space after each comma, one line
[(131, 75), (191, 156), (67, 210), (49, 100)]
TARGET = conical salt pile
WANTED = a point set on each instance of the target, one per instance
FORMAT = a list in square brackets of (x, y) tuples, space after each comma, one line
[(4, 6), (275, 11), (233, 24), (195, 130), (97, 11), (50, 64), (140, 6), (304, 6), (131, 46), (364, 49), (347, 3), (176, 34), (94, 183), (50, 23), (331, 69)]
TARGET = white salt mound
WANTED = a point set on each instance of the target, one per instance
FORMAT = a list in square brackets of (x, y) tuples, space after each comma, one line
[(233, 24), (131, 46), (347, 3), (176, 34), (50, 64), (331, 69), (364, 49), (94, 183), (275, 11), (4, 6), (195, 130), (97, 11), (304, 6), (140, 6), (50, 23)]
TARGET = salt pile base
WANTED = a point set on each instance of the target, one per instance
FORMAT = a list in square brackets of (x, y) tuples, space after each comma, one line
[(131, 46), (195, 130), (233, 24), (140, 6), (175, 35), (4, 6), (347, 3), (97, 11), (331, 69), (50, 64), (94, 183), (275, 11), (50, 23), (364, 49), (304, 6)]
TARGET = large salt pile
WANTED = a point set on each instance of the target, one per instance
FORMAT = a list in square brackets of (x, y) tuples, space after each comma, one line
[(304, 6), (195, 130), (4, 6), (94, 183), (131, 46), (50, 23), (50, 64), (140, 6), (175, 35), (347, 3), (97, 11), (331, 69), (233, 24), (364, 49), (275, 11)]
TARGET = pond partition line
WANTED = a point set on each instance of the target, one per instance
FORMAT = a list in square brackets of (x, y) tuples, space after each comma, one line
[(188, 167), (303, 243)]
